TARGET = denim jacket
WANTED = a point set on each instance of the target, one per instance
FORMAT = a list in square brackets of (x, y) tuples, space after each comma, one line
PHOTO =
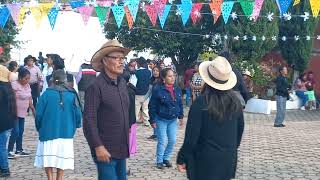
[(163, 105)]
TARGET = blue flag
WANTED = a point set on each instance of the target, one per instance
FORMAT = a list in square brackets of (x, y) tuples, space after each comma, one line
[(185, 10), (52, 16), (4, 15), (163, 17), (118, 13), (226, 9), (76, 4), (284, 5), (133, 6)]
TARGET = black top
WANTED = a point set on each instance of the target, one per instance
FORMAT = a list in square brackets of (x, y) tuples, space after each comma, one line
[(210, 146), (240, 86), (132, 106), (282, 86), (7, 119)]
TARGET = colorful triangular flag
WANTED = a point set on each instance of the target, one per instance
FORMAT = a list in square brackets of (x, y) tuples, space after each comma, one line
[(118, 12), (164, 15), (76, 4), (226, 9), (22, 14), (315, 7), (15, 12), (284, 6), (247, 7), (185, 10), (256, 9), (133, 6), (37, 15), (129, 17), (52, 16), (103, 14), (215, 7), (195, 12), (296, 2), (152, 13), (85, 12), (4, 15)]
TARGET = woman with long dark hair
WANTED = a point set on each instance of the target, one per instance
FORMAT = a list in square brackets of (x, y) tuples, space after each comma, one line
[(8, 118), (23, 94), (214, 127), (13, 67), (165, 108), (155, 81)]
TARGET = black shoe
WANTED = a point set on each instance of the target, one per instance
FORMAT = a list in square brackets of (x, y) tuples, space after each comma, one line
[(154, 137), (4, 173), (167, 163), (22, 154), (160, 165), (279, 125)]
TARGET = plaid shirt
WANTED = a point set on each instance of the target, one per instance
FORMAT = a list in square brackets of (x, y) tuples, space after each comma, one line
[(106, 116)]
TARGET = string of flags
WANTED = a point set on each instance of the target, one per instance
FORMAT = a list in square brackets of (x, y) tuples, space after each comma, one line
[(155, 9)]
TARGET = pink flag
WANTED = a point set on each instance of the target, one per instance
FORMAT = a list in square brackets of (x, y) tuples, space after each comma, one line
[(195, 12), (14, 10), (85, 12), (152, 13), (256, 9)]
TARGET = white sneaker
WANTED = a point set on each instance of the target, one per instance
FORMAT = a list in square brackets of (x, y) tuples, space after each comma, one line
[(302, 108)]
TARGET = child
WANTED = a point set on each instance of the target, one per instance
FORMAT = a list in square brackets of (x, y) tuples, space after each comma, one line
[(311, 103)]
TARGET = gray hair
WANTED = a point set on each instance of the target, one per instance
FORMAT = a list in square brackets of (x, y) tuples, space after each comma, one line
[(59, 77)]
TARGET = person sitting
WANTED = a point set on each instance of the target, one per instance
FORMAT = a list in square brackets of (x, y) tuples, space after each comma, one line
[(300, 89), (311, 102)]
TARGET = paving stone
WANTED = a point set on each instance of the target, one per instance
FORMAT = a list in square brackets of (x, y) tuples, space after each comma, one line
[(266, 152)]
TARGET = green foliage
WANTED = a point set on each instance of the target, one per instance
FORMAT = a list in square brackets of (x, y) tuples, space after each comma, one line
[(297, 52), (7, 38), (250, 50)]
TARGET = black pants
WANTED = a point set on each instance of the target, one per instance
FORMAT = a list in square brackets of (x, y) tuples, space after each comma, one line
[(35, 93)]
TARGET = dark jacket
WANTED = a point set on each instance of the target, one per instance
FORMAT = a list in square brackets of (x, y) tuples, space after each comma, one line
[(163, 105), (240, 86), (7, 119), (106, 116), (282, 86), (143, 76), (210, 146), (88, 74), (132, 107)]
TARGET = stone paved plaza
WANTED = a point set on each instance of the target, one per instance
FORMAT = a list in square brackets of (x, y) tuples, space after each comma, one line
[(266, 152)]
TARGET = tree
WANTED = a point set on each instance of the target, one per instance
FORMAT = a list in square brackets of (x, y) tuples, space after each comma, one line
[(297, 52), (7, 36), (249, 50), (183, 49)]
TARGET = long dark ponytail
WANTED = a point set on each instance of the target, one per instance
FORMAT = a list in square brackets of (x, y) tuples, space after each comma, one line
[(11, 99), (221, 104)]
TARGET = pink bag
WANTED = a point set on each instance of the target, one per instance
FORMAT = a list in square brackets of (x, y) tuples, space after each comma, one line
[(133, 140)]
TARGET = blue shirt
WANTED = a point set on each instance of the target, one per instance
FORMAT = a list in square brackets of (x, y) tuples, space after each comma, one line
[(57, 116)]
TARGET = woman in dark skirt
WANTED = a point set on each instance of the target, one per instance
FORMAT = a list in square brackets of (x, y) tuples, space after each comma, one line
[(214, 127)]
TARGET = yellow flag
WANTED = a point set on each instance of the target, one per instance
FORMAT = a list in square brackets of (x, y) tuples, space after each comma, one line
[(40, 11), (22, 14), (315, 7), (36, 12), (296, 2)]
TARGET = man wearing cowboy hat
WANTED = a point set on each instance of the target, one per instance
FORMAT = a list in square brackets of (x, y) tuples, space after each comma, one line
[(84, 78), (106, 112), (36, 77), (247, 77)]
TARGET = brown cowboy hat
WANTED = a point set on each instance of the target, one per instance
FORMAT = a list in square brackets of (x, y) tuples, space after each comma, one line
[(218, 74), (107, 48)]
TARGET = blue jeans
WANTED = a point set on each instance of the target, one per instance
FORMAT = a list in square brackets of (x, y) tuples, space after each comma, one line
[(16, 136), (188, 96), (302, 96), (166, 135), (281, 110), (3, 150), (114, 170)]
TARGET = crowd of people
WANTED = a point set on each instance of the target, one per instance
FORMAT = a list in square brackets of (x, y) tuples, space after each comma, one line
[(109, 98)]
